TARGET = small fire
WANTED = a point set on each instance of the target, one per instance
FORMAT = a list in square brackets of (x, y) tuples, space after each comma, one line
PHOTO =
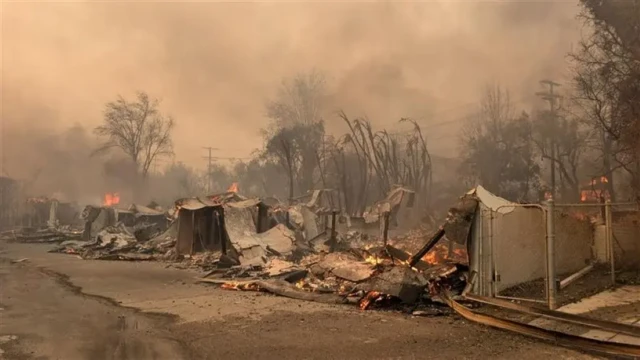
[(301, 284), (111, 199), (432, 257), (374, 260), (370, 297), (233, 188), (240, 286), (440, 253)]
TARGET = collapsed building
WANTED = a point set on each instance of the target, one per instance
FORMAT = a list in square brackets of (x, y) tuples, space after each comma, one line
[(241, 230), (142, 221), (41, 212)]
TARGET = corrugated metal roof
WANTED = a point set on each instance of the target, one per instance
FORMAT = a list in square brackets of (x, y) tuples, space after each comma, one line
[(195, 203), (492, 201), (143, 210), (244, 203)]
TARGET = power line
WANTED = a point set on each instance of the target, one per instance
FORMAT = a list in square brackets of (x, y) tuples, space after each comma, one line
[(459, 118), (231, 158)]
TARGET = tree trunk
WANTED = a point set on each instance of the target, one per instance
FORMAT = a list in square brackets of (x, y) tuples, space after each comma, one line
[(291, 185)]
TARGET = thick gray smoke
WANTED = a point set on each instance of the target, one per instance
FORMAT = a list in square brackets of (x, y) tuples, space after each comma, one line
[(215, 64)]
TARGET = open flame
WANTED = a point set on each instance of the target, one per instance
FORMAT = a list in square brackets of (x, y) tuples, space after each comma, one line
[(440, 253), (233, 188), (111, 199), (370, 297), (240, 286), (373, 260)]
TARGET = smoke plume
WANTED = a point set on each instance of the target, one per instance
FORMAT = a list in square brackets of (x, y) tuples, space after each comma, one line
[(214, 65)]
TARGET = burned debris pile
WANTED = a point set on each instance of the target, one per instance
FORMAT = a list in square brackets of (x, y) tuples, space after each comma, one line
[(43, 235), (307, 250), (43, 220), (117, 243), (135, 233), (367, 273)]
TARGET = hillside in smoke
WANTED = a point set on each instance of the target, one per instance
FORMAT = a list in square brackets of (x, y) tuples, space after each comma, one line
[(215, 64)]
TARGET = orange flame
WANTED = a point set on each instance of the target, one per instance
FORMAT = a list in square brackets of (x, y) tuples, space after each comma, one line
[(370, 297), (373, 260), (111, 199), (240, 286), (233, 188), (440, 253)]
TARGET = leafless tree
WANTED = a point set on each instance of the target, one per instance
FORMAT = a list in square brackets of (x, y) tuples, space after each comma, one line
[(607, 79), (379, 160), (284, 148), (570, 139), (299, 104), (497, 149), (138, 129), (300, 100)]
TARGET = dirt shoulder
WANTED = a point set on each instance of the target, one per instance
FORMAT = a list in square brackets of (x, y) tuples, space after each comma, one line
[(58, 306)]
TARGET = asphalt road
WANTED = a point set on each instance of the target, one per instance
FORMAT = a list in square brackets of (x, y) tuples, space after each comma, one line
[(56, 306)]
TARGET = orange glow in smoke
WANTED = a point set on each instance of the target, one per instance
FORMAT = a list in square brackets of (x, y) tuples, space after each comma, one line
[(111, 199), (233, 188)]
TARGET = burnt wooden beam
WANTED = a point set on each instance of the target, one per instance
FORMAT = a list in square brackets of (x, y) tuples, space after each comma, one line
[(428, 246), (333, 238)]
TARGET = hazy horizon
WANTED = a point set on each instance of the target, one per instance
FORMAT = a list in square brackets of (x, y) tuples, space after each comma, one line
[(214, 65)]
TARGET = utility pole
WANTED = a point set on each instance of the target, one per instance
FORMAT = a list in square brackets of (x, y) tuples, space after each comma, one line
[(210, 163), (551, 97)]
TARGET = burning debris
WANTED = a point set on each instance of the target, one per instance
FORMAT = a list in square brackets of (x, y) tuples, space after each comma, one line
[(111, 199), (366, 275), (243, 245)]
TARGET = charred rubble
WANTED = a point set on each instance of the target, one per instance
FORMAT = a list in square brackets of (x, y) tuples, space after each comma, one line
[(306, 250), (372, 273)]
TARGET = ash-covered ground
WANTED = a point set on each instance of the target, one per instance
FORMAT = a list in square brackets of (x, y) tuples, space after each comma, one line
[(57, 306)]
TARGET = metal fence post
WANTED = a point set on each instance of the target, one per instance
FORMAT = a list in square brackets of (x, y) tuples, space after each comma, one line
[(551, 256), (608, 225)]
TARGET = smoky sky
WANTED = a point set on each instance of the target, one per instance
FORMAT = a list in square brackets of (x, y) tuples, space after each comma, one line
[(214, 65)]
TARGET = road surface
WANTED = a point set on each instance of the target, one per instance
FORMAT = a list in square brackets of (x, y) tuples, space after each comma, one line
[(56, 306)]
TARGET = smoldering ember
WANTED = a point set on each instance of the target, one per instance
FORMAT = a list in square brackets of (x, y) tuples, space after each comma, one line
[(375, 206)]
